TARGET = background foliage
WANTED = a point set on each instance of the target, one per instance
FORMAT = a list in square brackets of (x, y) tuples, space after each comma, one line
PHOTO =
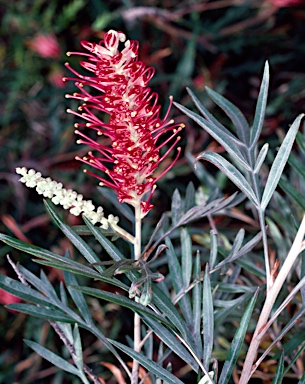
[(220, 44)]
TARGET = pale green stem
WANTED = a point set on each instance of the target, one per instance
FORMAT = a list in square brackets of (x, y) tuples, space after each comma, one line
[(126, 235), (137, 319), (272, 294), (261, 215)]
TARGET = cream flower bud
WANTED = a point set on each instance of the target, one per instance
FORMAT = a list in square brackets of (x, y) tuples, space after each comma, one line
[(68, 198)]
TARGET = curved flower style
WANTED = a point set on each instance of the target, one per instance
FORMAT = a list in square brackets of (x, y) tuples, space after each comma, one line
[(134, 127)]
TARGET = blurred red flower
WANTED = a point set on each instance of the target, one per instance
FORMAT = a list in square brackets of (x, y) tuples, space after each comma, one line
[(8, 298), (46, 46), (287, 3), (56, 79)]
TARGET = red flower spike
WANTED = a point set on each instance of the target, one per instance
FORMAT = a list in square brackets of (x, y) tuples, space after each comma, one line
[(120, 85)]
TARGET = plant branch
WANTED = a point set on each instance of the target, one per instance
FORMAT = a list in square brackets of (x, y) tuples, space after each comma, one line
[(272, 294)]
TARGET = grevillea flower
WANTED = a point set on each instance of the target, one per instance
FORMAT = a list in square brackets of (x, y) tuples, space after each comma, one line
[(119, 87), (46, 46), (68, 198)]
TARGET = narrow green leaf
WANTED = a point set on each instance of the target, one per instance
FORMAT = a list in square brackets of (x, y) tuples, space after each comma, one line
[(278, 377), (164, 304), (233, 174), (41, 312), (122, 301), (208, 319), (237, 342), (78, 297), (176, 208), (189, 197), (52, 357), (297, 165), (221, 129), (23, 291), (261, 157), (238, 119), (203, 210), (82, 270), (280, 162), (151, 366), (186, 256), (112, 251), (260, 107), (292, 192), (78, 348), (177, 279), (171, 341), (28, 248), (300, 139), (225, 138), (229, 306), (57, 261), (197, 305), (76, 240), (302, 380), (213, 249)]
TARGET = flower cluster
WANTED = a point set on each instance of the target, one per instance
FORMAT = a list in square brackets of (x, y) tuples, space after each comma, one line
[(119, 87), (68, 198)]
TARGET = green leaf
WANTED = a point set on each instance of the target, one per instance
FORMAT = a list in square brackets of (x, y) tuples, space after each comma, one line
[(78, 297), (237, 342), (176, 274), (260, 107), (78, 348), (23, 291), (41, 312), (208, 319), (302, 380), (261, 157), (233, 174), (297, 165), (292, 192), (238, 119), (197, 305), (151, 366), (176, 208), (213, 249), (122, 301), (280, 162), (112, 251), (164, 304), (279, 370), (186, 256), (223, 136), (171, 341), (203, 210), (300, 139), (189, 197), (80, 269), (56, 260), (76, 240), (52, 357)]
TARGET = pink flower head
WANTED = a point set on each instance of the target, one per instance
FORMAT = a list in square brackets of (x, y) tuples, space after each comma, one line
[(120, 88), (46, 46)]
